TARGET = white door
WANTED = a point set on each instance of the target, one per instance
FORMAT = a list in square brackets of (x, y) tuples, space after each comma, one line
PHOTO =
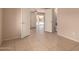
[(48, 20), (25, 28)]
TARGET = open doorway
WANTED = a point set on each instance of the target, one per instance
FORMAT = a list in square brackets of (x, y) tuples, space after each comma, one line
[(40, 21), (45, 20), (37, 22)]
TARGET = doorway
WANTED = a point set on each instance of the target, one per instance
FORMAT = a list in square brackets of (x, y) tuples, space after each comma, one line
[(40, 22), (37, 22), (43, 21)]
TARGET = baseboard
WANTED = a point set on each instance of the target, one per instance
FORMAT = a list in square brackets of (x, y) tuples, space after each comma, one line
[(65, 36), (25, 36), (11, 38)]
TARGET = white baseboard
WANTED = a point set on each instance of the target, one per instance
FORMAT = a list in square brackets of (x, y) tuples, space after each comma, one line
[(10, 38), (65, 36)]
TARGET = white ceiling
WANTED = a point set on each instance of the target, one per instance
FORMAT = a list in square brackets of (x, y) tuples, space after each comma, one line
[(38, 10)]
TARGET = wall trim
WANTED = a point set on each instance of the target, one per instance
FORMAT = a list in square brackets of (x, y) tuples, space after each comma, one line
[(65, 36), (11, 38)]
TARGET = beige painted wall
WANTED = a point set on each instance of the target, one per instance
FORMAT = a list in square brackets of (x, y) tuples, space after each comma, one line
[(0, 26), (11, 23), (68, 23)]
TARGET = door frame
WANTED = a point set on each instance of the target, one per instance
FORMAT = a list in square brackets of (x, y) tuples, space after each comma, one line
[(44, 18)]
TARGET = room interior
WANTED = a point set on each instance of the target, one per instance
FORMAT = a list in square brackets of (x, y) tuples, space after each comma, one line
[(60, 29)]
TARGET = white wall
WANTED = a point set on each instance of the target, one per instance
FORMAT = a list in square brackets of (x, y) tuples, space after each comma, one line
[(49, 20), (11, 23), (25, 30), (54, 21), (68, 23), (0, 26), (33, 20)]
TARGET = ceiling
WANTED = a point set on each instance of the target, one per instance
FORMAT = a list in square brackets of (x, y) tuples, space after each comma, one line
[(42, 10)]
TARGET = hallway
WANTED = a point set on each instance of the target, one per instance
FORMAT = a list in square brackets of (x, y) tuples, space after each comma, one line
[(42, 41), (44, 37)]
